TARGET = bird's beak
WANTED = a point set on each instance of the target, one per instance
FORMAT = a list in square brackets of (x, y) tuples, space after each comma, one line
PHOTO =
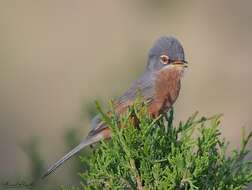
[(179, 63)]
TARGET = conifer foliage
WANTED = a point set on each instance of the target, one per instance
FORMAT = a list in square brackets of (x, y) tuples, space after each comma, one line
[(155, 154)]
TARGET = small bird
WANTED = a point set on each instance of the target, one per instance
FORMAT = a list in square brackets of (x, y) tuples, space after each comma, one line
[(159, 85)]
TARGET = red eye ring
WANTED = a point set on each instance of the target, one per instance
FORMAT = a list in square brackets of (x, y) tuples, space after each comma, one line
[(164, 59)]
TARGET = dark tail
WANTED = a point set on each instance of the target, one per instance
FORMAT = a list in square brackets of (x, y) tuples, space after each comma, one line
[(83, 144)]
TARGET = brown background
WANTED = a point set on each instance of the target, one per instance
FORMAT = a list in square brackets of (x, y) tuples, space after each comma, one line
[(58, 56)]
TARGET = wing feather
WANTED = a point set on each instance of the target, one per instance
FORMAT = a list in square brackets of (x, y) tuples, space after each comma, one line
[(145, 84)]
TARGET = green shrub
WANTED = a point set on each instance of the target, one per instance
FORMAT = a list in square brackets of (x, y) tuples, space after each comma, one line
[(158, 155)]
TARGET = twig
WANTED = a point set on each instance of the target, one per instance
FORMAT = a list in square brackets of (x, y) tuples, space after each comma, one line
[(137, 176), (139, 183)]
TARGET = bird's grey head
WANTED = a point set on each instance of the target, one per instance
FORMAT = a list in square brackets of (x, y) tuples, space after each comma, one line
[(166, 52)]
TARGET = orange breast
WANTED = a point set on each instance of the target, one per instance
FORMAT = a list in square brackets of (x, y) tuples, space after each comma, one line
[(167, 86)]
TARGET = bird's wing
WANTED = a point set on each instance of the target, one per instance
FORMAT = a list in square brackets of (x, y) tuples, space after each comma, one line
[(145, 84)]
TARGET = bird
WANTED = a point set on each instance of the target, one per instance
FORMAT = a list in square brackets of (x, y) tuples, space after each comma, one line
[(159, 86)]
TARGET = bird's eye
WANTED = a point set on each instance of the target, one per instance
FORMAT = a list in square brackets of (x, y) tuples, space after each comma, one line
[(164, 59)]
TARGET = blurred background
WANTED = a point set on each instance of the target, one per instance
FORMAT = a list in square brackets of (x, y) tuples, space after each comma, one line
[(58, 57)]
